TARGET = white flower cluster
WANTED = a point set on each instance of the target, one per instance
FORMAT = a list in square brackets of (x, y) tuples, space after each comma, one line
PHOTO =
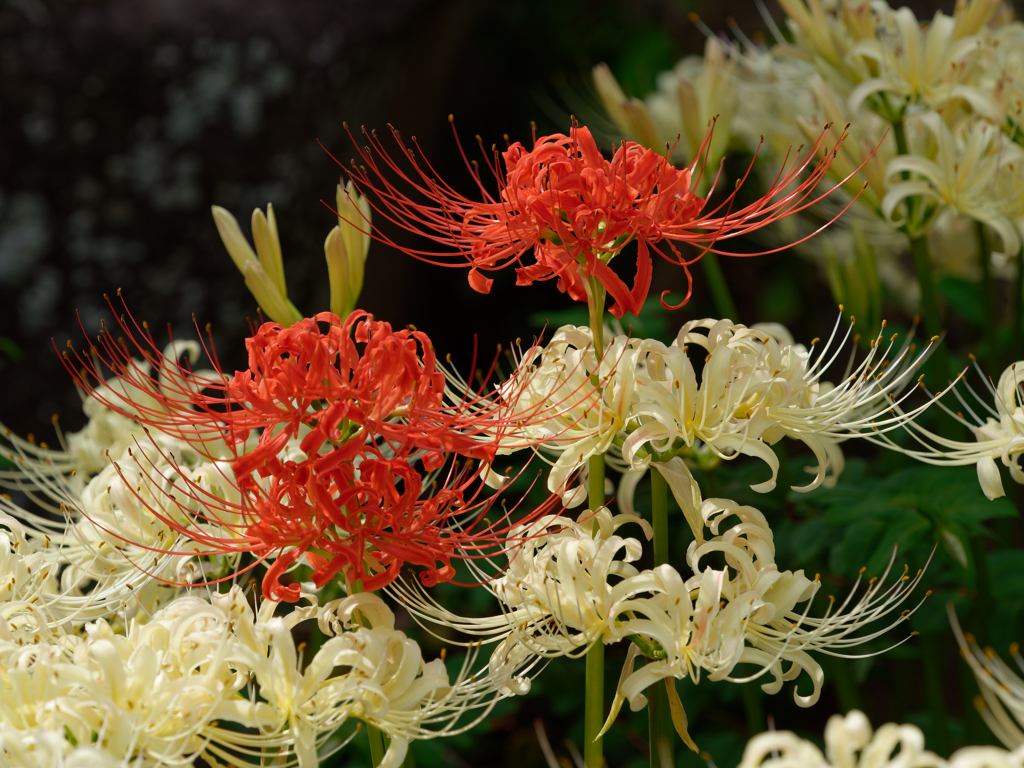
[(110, 657), (100, 518), (931, 109), (213, 679), (644, 405), (571, 584), (850, 741), (1001, 703)]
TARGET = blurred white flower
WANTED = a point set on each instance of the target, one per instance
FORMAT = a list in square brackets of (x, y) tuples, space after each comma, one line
[(971, 169), (850, 741)]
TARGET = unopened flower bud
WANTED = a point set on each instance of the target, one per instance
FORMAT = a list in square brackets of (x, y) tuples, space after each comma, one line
[(264, 275), (346, 248)]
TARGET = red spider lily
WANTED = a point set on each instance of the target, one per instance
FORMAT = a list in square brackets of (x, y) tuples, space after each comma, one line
[(356, 377), (575, 210), (364, 522), (368, 404)]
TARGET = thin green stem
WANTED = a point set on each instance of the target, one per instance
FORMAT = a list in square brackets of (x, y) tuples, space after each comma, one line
[(846, 686), (930, 306), (662, 732), (720, 294), (376, 744), (935, 673), (755, 711), (593, 715), (593, 718), (900, 134), (375, 735), (1017, 331), (988, 292), (922, 266), (595, 303)]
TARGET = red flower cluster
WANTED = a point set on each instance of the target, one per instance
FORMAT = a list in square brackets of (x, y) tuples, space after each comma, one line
[(353, 428), (574, 210)]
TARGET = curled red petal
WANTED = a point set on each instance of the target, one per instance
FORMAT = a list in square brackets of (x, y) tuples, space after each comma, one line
[(479, 283)]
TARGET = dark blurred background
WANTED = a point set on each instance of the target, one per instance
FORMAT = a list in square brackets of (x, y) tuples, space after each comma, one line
[(124, 121)]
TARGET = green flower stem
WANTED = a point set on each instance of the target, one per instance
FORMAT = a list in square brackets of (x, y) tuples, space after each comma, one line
[(900, 134), (662, 732), (846, 686), (752, 704), (930, 308), (376, 744), (923, 268), (593, 717), (988, 290), (720, 295), (375, 735), (935, 672), (1017, 330), (595, 303)]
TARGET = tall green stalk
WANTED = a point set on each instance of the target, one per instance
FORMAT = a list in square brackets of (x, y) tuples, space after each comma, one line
[(1017, 331), (923, 269), (593, 715), (374, 735), (662, 733), (988, 292), (930, 308), (935, 672), (720, 294)]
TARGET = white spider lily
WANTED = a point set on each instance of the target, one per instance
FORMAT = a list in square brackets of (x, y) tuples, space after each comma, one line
[(746, 613), (969, 173), (644, 405), (164, 693), (929, 64), (570, 584), (1001, 703), (998, 428), (850, 741), (98, 516), (569, 403)]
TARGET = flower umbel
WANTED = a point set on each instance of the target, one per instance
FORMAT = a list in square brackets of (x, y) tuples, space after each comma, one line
[(575, 211), (336, 443)]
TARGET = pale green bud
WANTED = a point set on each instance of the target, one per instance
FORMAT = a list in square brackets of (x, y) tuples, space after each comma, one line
[(264, 275), (346, 248), (268, 246)]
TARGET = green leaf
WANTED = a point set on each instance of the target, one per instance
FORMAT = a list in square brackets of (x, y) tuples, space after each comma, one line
[(902, 536), (857, 546)]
